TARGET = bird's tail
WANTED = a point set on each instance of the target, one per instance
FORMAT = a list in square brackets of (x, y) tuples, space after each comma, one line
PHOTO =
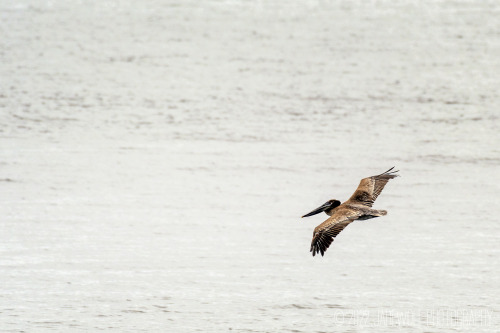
[(372, 213)]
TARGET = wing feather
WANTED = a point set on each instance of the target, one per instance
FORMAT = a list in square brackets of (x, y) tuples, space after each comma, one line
[(325, 233), (370, 188)]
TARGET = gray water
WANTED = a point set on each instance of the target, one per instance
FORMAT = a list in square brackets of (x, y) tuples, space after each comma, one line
[(156, 158)]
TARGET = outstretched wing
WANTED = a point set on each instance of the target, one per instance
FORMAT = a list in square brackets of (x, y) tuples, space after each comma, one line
[(325, 233), (370, 188)]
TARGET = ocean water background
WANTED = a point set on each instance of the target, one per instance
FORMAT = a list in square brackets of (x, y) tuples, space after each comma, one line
[(156, 158)]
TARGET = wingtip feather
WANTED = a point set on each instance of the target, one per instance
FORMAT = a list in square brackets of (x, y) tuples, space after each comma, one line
[(390, 173)]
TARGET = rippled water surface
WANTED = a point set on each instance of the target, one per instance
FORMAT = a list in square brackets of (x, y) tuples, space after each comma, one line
[(156, 158)]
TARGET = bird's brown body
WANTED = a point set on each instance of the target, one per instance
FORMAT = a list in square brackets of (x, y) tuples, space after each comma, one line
[(358, 207)]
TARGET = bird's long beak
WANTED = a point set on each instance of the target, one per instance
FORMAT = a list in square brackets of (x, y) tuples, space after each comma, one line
[(318, 210)]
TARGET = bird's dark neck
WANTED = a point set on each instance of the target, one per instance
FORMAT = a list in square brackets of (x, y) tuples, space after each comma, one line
[(330, 211)]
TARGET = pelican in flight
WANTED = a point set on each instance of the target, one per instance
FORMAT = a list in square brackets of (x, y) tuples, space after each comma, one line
[(358, 207)]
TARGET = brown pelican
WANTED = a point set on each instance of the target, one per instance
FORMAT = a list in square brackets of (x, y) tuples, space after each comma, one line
[(358, 207)]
